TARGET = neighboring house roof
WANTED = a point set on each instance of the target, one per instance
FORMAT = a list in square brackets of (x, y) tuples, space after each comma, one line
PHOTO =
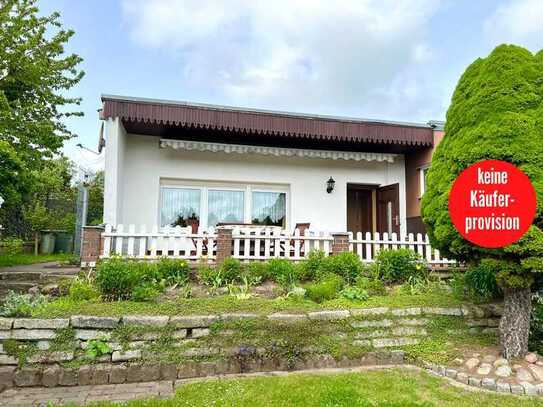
[(265, 122)]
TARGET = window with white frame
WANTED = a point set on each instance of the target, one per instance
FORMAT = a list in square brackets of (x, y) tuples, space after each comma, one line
[(208, 205), (423, 173)]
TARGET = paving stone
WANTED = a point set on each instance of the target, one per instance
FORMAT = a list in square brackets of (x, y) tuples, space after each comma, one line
[(407, 311), (503, 387), (329, 315), (462, 377), (193, 321), (287, 317), (120, 356), (84, 321), (524, 375), (412, 321), (43, 345), (372, 334), (27, 376), (391, 342), (181, 333), (31, 323), (236, 316), (362, 342), (493, 322), (537, 372), (84, 375), (397, 357), (488, 358), (50, 376), (452, 373), (6, 376), (476, 322), (7, 360), (484, 369), (474, 381), (168, 371), (199, 332), (145, 320), (442, 311), (187, 370), (489, 383), (516, 388), (117, 374), (500, 362), (68, 377), (490, 330), (6, 323), (472, 363), (60, 356), (408, 331), (495, 310), (531, 357), (32, 334), (504, 371), (142, 373), (100, 374), (90, 334), (529, 388), (383, 323), (369, 311)]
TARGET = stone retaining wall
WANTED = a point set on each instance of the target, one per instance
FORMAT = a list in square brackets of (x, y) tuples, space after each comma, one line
[(54, 350)]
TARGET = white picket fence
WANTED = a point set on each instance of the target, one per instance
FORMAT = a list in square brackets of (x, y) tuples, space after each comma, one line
[(254, 244)]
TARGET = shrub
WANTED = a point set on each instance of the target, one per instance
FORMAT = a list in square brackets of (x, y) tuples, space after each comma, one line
[(11, 246), (174, 272), (372, 286), (97, 348), (398, 266), (82, 290), (480, 280), (231, 269), (256, 271), (354, 293), (207, 274), (346, 264), (21, 305), (327, 288), (145, 292), (116, 278), (313, 265), (284, 272)]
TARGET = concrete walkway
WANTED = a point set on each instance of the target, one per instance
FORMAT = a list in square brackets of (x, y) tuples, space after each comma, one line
[(83, 395)]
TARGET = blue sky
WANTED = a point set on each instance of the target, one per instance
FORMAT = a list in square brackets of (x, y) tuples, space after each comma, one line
[(384, 59)]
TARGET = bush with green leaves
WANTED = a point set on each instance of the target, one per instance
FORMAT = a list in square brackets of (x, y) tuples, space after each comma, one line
[(145, 292), (480, 280), (97, 348), (173, 271), (398, 266), (284, 272), (116, 278), (313, 265), (82, 289), (21, 305), (346, 265), (495, 113), (231, 270), (327, 288), (354, 293), (373, 286), (255, 272), (10, 246)]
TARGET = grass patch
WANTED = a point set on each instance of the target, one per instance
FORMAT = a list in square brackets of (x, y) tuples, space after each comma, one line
[(7, 260), (378, 388), (65, 307)]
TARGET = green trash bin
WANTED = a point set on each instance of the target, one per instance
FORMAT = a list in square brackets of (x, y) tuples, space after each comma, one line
[(64, 242), (47, 245)]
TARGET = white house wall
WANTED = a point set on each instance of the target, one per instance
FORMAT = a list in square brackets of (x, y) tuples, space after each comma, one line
[(143, 164)]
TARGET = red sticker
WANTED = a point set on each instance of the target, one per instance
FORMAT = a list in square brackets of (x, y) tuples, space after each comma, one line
[(492, 203)]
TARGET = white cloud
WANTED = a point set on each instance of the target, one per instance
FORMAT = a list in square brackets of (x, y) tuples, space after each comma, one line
[(518, 22), (363, 57)]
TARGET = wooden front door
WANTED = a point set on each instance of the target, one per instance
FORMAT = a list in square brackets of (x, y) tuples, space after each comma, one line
[(388, 209), (359, 209)]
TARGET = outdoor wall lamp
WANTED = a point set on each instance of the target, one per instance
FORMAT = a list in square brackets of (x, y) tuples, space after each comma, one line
[(330, 185)]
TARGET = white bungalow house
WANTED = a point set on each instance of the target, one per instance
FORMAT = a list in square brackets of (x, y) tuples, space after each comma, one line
[(178, 163)]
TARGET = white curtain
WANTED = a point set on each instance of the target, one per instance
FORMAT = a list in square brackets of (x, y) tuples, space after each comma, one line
[(268, 208), (225, 206), (178, 204)]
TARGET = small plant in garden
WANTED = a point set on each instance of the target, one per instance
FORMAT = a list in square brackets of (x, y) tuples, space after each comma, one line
[(116, 278), (97, 348), (230, 270), (145, 292), (256, 271), (82, 289), (346, 265), (326, 289), (241, 292), (10, 246), (354, 293), (21, 305), (398, 266), (284, 272), (313, 265), (296, 292), (480, 281), (174, 272), (372, 286)]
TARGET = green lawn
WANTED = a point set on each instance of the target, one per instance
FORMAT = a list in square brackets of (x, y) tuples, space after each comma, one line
[(19, 259), (377, 388), (65, 307)]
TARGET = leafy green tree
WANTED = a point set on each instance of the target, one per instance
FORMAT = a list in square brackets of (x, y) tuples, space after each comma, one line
[(496, 113), (95, 212), (35, 74)]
